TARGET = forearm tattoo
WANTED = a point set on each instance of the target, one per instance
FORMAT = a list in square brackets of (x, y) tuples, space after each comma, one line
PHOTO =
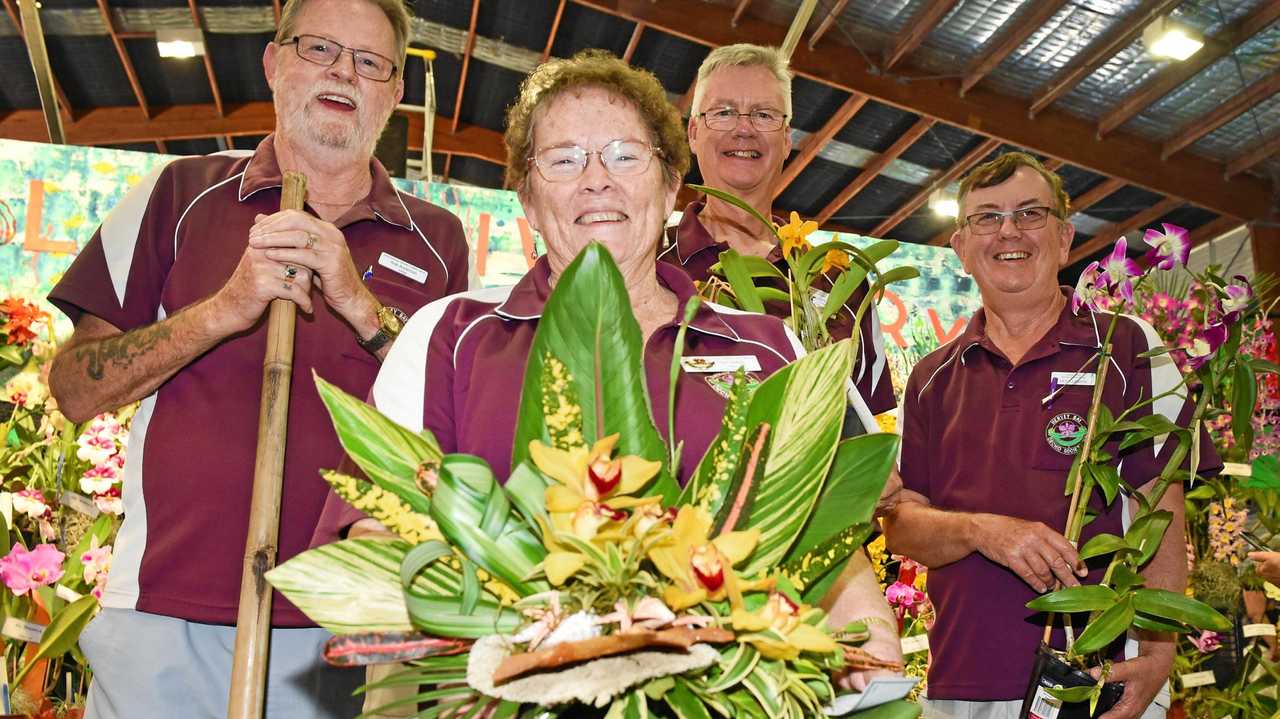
[(120, 352)]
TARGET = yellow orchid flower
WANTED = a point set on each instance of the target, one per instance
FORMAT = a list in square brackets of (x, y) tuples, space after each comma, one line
[(781, 617), (591, 474), (794, 234), (590, 522), (835, 260), (699, 567)]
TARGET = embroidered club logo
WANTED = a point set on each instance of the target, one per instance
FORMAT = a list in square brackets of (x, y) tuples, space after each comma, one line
[(722, 382), (1065, 433)]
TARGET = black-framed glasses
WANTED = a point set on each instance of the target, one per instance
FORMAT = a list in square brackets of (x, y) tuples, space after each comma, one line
[(726, 118), (989, 222), (323, 51), (620, 158)]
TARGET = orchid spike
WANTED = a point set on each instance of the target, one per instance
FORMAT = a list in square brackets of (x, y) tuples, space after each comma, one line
[(1119, 271), (1169, 248)]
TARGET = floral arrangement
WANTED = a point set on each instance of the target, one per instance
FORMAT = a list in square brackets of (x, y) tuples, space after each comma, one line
[(813, 296), (907, 594), (1211, 359), (590, 581), (59, 510)]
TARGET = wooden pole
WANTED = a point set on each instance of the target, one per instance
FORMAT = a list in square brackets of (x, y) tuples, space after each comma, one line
[(253, 621), (34, 36)]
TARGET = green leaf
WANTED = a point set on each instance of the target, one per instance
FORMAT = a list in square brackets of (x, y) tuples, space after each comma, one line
[(826, 560), (1080, 598), (802, 445), (1156, 351), (101, 528), (1104, 629), (1106, 477), (685, 703), (712, 481), (900, 709), (740, 280), (62, 633), (387, 453), (760, 267), (12, 355), (1074, 694), (1146, 532), (1180, 608), (527, 488), (765, 688), (841, 290), (348, 587), (588, 325), (856, 479), (1153, 624), (1265, 474), (1244, 394), (736, 662), (1123, 579), (737, 202), (1262, 366), (1102, 544)]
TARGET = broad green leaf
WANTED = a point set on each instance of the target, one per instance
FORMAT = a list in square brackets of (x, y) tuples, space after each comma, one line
[(1265, 474), (900, 709), (802, 445), (1146, 532), (387, 453), (1123, 579), (734, 200), (1105, 628), (1180, 608), (632, 706), (1262, 366), (1154, 624), (348, 587), (1244, 394), (897, 274), (1156, 351), (756, 267), (856, 479), (711, 481), (685, 703), (841, 290), (527, 488), (1106, 477), (744, 289), (62, 633), (1074, 694), (1080, 598), (588, 325), (1102, 544), (473, 512), (735, 664), (825, 561), (765, 688)]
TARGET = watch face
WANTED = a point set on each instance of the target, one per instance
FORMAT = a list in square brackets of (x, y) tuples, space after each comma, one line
[(399, 314)]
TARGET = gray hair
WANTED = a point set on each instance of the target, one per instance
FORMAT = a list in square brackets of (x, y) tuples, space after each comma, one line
[(745, 55)]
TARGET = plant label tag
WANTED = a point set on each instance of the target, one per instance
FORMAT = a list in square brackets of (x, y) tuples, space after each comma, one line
[(399, 266), (1237, 469), (719, 363), (1079, 379), (79, 503), (22, 630), (6, 508), (818, 298), (1044, 705), (1259, 630), (67, 594), (1196, 679), (880, 690), (915, 644)]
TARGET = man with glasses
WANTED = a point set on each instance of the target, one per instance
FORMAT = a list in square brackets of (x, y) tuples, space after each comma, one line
[(991, 423), (168, 300)]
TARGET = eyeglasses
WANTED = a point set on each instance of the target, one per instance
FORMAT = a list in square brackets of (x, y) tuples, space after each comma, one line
[(323, 51), (990, 222), (726, 118), (620, 158)]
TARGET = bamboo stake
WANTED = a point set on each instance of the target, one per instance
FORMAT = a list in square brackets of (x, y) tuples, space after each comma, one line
[(253, 620)]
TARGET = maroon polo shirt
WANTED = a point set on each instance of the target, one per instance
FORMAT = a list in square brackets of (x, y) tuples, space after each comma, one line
[(477, 345), (172, 241), (976, 437), (695, 250)]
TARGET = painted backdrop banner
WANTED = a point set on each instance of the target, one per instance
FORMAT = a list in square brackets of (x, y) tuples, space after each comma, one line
[(52, 198)]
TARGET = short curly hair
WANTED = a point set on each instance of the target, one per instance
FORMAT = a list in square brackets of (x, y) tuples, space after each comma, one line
[(995, 172), (594, 68)]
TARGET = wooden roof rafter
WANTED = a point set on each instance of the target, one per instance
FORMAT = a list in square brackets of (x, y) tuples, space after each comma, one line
[(827, 22), (633, 43), (462, 74), (123, 53), (551, 36), (1177, 73), (1227, 111), (917, 29), (208, 60), (874, 168), (814, 143), (1115, 230), (63, 103), (1010, 40), (948, 176), (1251, 158), (738, 11)]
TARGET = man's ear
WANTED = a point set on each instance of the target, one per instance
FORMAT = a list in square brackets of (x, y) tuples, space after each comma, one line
[(957, 242), (1066, 233), (269, 63), (692, 130)]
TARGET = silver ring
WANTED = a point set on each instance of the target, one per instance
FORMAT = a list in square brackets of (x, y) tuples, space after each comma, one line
[(290, 273), (311, 240)]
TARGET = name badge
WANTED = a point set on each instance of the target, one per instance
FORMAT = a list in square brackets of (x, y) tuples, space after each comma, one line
[(1081, 379), (399, 266), (719, 363)]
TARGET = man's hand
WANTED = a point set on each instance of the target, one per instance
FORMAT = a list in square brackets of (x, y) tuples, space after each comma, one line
[(1268, 565), (1142, 677), (256, 281), (1036, 553), (854, 681), (890, 495)]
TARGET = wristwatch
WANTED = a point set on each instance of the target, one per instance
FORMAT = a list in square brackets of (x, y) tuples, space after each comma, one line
[(389, 326)]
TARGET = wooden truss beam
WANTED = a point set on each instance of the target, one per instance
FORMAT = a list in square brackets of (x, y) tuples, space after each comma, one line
[(123, 53), (1053, 133), (815, 142), (466, 63), (1112, 232), (827, 22), (1229, 110), (917, 29), (208, 60), (1213, 229), (551, 36), (737, 12), (950, 175), (1032, 20), (633, 43), (1253, 157), (875, 167)]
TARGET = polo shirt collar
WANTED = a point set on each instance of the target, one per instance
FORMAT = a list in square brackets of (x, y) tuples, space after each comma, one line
[(693, 237), (383, 201), (529, 296), (1073, 330)]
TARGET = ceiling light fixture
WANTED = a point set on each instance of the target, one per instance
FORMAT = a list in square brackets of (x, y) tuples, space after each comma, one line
[(179, 42), (1165, 38), (944, 204)]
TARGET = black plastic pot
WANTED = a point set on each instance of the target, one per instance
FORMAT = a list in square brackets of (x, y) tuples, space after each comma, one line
[(1226, 661), (1051, 671)]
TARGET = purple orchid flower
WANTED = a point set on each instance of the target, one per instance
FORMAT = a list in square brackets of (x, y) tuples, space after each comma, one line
[(1088, 290), (1169, 248), (1207, 641), (1204, 345), (1238, 294), (1118, 270)]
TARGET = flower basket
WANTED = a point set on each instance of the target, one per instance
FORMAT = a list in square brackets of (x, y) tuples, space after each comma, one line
[(1051, 672)]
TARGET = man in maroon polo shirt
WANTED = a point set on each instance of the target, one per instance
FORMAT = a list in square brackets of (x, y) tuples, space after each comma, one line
[(739, 132), (168, 300), (988, 442)]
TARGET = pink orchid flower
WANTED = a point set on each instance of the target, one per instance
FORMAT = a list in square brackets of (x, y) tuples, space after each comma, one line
[(904, 597), (1089, 290), (1238, 294), (1205, 344), (23, 571), (1169, 248), (1206, 642), (1119, 271), (32, 503)]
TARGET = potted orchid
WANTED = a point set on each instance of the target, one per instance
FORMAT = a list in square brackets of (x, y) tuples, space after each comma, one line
[(589, 582), (1121, 602)]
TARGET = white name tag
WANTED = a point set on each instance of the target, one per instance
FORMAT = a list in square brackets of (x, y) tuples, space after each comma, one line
[(716, 363), (79, 503), (915, 644), (67, 594), (1067, 379), (1259, 630), (22, 630), (399, 266), (1236, 469), (818, 298), (1197, 679)]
